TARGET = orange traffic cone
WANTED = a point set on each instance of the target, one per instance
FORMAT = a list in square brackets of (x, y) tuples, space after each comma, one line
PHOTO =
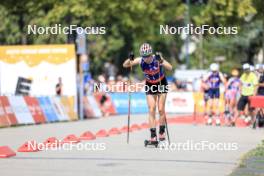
[(6, 152), (51, 142), (102, 133), (124, 129), (71, 139), (144, 125), (29, 146), (135, 127), (87, 136), (114, 131)]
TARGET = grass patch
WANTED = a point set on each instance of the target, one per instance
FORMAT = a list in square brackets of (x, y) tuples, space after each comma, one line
[(252, 163)]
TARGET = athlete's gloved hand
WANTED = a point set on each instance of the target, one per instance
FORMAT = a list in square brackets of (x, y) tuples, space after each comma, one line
[(131, 56), (158, 57)]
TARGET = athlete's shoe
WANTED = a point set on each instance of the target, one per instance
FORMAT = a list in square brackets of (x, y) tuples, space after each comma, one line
[(153, 139), (162, 137), (209, 121), (247, 120), (217, 121)]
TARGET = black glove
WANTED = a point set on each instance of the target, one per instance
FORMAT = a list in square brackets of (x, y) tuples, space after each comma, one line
[(131, 56), (158, 57)]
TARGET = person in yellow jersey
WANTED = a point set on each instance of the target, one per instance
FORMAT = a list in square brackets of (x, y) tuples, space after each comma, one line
[(249, 82)]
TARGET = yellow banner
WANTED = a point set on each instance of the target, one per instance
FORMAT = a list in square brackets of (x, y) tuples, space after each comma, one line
[(200, 105), (33, 55), (68, 103)]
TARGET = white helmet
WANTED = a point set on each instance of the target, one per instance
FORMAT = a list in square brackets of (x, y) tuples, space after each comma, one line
[(214, 67), (246, 66), (252, 68), (258, 66), (145, 50)]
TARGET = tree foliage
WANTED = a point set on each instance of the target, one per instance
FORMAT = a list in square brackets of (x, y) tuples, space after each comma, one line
[(131, 22)]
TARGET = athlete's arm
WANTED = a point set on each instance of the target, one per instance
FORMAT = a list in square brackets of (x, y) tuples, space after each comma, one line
[(166, 65), (223, 79), (129, 63), (204, 86), (227, 84), (255, 84), (261, 83), (206, 76)]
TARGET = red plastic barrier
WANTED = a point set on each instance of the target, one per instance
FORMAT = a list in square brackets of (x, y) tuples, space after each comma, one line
[(8, 110), (144, 125), (87, 136), (36, 111), (71, 139), (125, 128), (29, 146), (102, 133), (4, 121), (114, 131), (52, 142), (6, 152), (256, 101), (135, 127)]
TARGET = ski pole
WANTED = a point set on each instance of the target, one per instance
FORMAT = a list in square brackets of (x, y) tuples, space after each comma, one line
[(166, 124), (131, 57)]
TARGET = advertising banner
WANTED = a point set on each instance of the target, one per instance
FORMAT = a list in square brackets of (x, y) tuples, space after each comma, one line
[(42, 64), (4, 121), (48, 109), (21, 110), (69, 107), (8, 110), (91, 108), (105, 103), (179, 102), (200, 103), (36, 111), (59, 109), (138, 102)]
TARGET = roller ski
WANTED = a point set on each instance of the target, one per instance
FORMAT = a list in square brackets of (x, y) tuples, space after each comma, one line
[(209, 121), (217, 121), (152, 142)]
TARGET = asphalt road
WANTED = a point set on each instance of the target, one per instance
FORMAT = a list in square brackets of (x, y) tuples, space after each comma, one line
[(223, 147)]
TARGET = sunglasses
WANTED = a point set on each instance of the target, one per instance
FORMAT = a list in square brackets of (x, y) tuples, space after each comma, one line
[(146, 57)]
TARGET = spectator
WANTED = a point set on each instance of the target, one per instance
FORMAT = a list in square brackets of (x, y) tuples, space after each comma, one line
[(110, 69), (111, 84), (180, 85), (260, 90), (59, 87)]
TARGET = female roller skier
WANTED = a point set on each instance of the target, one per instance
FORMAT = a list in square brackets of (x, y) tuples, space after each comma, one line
[(156, 86)]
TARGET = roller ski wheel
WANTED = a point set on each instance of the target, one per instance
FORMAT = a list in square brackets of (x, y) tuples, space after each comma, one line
[(209, 121), (154, 143), (217, 122)]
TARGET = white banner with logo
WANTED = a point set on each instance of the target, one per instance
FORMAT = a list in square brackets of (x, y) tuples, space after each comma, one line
[(180, 102)]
